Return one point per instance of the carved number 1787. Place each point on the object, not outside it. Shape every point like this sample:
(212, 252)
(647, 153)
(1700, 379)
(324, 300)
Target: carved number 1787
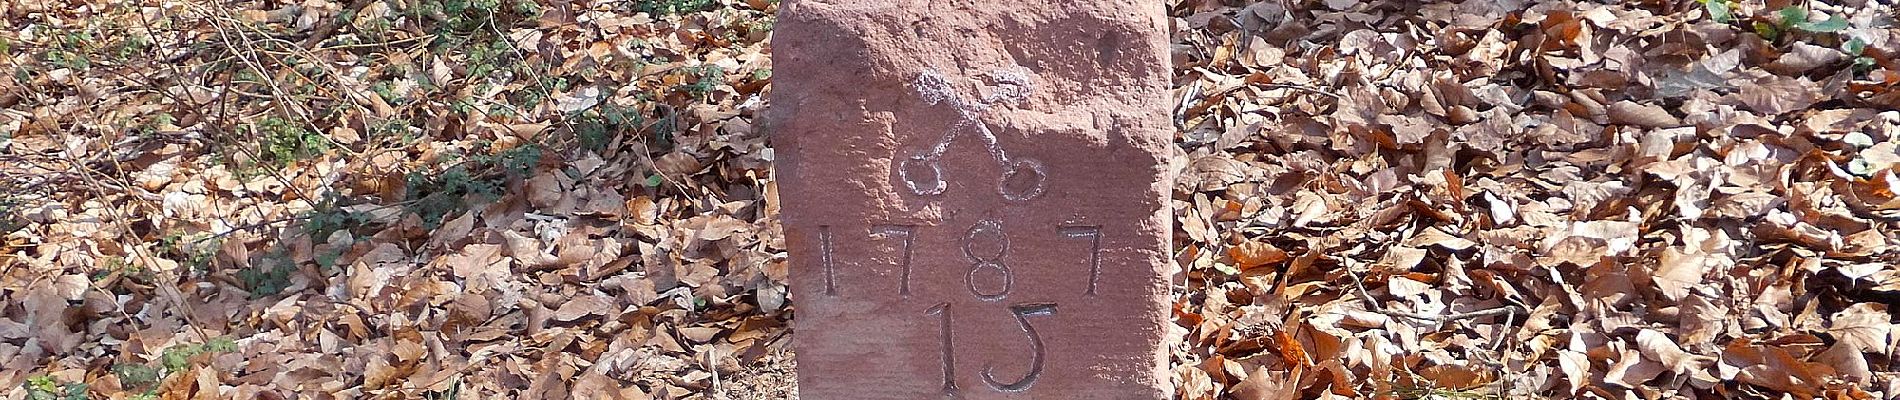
(907, 234)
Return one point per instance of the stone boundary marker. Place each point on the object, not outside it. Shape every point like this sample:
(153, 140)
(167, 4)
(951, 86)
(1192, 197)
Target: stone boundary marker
(974, 194)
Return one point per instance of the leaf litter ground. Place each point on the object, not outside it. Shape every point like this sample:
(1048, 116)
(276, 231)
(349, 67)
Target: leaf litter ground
(523, 199)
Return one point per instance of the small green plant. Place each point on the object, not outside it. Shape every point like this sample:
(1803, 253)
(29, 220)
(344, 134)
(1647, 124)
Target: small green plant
(671, 7)
(433, 196)
(664, 127)
(285, 142)
(68, 59)
(596, 126)
(135, 375)
(376, 28)
(466, 105)
(486, 59)
(114, 264)
(1858, 49)
(467, 16)
(516, 161)
(1788, 19)
(458, 23)
(327, 258)
(71, 50)
(328, 218)
(453, 392)
(128, 46)
(520, 160)
(1795, 22)
(1797, 17)
(195, 250)
(320, 223)
(387, 91)
(101, 40)
(268, 279)
(176, 359)
(393, 127)
(148, 125)
(9, 211)
(1720, 11)
(171, 361)
(47, 388)
(706, 79)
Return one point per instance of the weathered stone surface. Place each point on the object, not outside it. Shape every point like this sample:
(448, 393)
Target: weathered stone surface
(974, 194)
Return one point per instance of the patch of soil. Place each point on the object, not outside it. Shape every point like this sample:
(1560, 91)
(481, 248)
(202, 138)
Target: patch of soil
(773, 376)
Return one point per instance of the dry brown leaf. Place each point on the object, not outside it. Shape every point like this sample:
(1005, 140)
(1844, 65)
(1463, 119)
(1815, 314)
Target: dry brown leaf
(1802, 57)
(1456, 377)
(1644, 115)
(1631, 369)
(1308, 208)
(1254, 254)
(1576, 369)
(1678, 273)
(585, 306)
(1865, 327)
(1746, 205)
(527, 251)
(1777, 95)
(1436, 237)
(1264, 384)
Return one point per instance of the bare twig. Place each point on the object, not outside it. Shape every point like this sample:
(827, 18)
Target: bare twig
(331, 28)
(377, 44)
(1303, 88)
(1366, 296)
(1491, 312)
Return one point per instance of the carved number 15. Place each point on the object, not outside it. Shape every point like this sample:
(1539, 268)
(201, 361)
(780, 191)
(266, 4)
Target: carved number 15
(1023, 312)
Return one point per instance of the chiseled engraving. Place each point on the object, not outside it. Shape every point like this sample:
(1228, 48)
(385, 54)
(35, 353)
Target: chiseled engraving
(949, 353)
(908, 232)
(824, 258)
(1094, 234)
(1012, 88)
(992, 230)
(1023, 312)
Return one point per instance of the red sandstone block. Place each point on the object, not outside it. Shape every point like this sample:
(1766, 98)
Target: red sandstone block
(974, 194)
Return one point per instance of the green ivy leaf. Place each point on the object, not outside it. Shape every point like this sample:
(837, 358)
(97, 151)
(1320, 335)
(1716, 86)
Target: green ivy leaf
(1719, 11)
(1792, 15)
(1854, 46)
(1832, 24)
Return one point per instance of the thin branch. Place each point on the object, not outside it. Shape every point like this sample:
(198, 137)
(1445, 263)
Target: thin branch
(1366, 296)
(336, 22)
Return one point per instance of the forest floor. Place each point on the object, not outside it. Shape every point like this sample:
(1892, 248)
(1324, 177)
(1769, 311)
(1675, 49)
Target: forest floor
(551, 199)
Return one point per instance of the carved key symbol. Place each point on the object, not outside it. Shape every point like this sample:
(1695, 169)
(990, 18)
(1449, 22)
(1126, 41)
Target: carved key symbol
(1013, 87)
